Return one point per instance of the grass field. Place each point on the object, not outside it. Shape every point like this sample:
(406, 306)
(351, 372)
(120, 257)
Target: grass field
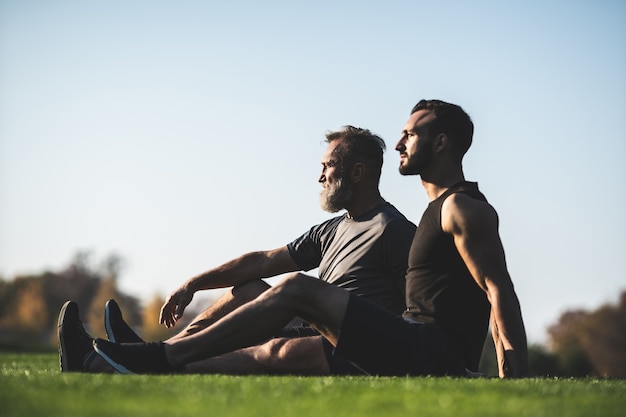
(32, 385)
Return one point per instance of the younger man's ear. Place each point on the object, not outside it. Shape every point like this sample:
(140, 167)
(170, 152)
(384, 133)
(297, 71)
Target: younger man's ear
(441, 141)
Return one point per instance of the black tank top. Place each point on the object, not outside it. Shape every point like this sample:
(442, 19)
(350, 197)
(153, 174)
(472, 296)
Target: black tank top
(440, 289)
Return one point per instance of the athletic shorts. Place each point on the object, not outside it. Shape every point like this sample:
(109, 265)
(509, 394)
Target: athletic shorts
(336, 364)
(382, 343)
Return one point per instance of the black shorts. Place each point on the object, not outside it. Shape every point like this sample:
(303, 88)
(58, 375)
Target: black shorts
(336, 364)
(382, 343)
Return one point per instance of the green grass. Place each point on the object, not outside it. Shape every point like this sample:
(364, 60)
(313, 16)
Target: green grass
(32, 385)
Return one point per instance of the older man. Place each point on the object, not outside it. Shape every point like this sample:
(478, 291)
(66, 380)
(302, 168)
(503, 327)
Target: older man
(362, 252)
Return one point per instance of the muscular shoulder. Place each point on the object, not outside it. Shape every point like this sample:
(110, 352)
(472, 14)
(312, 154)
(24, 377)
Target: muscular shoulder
(461, 214)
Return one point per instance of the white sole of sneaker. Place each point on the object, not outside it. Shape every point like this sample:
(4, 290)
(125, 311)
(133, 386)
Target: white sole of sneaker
(107, 324)
(120, 369)
(62, 359)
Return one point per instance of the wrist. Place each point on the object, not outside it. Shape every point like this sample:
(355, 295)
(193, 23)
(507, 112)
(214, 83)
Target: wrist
(191, 286)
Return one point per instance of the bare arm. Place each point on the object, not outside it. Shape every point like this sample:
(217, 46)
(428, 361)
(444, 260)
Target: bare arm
(474, 225)
(247, 267)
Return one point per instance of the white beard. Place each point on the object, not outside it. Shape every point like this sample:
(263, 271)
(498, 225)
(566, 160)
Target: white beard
(336, 196)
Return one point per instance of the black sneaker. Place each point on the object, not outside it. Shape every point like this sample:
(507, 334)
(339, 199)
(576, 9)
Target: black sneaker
(75, 344)
(134, 358)
(116, 328)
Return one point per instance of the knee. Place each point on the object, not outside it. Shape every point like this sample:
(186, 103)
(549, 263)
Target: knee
(295, 291)
(293, 285)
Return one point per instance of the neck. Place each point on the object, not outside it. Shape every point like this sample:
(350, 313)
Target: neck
(437, 182)
(363, 202)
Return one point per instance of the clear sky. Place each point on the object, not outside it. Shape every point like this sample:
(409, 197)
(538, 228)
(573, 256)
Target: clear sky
(182, 134)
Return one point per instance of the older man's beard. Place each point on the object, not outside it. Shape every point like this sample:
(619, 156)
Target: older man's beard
(336, 196)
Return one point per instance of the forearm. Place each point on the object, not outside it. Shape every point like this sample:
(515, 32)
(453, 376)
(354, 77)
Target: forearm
(240, 270)
(509, 336)
(497, 343)
(248, 267)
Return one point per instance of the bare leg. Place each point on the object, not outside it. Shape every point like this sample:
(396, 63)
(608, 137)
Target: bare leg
(321, 304)
(301, 356)
(230, 301)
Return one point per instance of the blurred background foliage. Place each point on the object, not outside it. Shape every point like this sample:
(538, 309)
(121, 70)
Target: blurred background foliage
(30, 304)
(581, 343)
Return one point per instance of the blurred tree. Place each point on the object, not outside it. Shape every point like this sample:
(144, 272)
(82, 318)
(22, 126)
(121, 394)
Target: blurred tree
(567, 338)
(28, 308)
(81, 263)
(131, 308)
(112, 266)
(8, 291)
(110, 271)
(30, 304)
(592, 343)
(605, 343)
(95, 316)
(541, 362)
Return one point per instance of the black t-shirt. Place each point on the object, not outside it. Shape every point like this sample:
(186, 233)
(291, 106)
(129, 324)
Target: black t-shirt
(365, 255)
(440, 288)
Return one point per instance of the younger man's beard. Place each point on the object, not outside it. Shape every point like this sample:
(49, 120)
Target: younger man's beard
(336, 196)
(420, 160)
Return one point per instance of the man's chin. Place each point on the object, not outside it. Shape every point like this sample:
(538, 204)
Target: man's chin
(330, 209)
(404, 170)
